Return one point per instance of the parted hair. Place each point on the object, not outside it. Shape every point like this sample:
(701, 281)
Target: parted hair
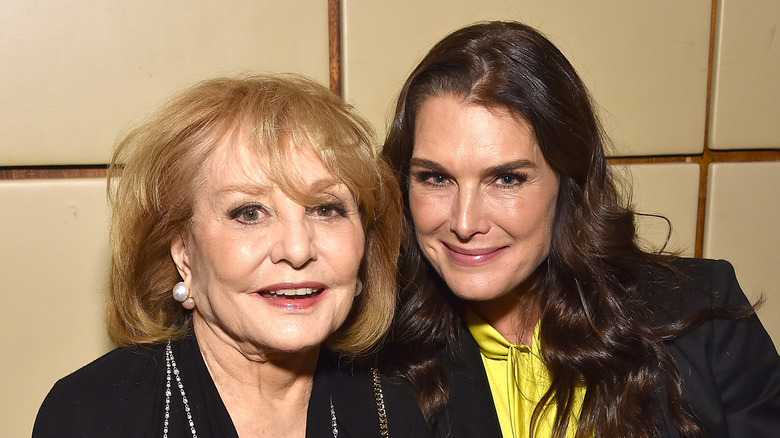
(157, 167)
(595, 325)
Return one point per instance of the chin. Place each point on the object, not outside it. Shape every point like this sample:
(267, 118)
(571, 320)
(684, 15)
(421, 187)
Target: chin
(477, 291)
(293, 347)
(478, 296)
(300, 344)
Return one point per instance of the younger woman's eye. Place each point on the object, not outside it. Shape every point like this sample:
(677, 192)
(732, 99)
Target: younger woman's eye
(437, 179)
(511, 179)
(432, 178)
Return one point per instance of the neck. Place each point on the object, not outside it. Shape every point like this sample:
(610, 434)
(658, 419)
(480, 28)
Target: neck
(514, 314)
(253, 383)
(514, 319)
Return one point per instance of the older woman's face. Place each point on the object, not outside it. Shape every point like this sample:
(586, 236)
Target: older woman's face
(482, 198)
(268, 274)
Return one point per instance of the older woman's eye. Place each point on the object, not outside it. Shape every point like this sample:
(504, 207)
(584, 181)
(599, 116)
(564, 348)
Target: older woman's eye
(247, 214)
(250, 215)
(329, 210)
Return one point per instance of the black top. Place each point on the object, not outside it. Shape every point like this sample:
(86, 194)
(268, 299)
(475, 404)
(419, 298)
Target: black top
(122, 394)
(730, 368)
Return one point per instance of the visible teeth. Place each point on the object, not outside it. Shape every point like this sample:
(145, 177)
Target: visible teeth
(295, 291)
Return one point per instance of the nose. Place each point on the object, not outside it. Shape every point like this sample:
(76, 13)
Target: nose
(293, 243)
(468, 216)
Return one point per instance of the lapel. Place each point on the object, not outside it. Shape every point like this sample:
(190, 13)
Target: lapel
(471, 411)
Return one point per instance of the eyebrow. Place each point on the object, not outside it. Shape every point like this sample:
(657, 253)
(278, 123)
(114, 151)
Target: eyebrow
(509, 166)
(427, 164)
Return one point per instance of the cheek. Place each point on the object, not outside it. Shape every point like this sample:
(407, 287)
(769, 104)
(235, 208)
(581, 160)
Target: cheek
(523, 217)
(344, 249)
(428, 210)
(225, 257)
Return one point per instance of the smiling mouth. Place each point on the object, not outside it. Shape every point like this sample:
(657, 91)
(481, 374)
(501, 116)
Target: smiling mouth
(294, 293)
(472, 257)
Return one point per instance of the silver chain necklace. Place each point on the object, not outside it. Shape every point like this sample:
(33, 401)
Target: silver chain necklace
(170, 368)
(170, 363)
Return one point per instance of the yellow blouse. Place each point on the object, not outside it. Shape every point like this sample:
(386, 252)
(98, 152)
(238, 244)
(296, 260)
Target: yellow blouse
(518, 378)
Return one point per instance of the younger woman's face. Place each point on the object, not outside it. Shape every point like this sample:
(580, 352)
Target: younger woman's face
(482, 198)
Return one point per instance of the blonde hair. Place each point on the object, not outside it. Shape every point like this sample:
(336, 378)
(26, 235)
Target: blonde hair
(157, 167)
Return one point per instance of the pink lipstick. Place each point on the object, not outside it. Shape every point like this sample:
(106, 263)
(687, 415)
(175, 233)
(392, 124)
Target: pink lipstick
(472, 256)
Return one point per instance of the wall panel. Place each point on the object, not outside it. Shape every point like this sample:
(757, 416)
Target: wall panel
(746, 76)
(743, 227)
(53, 268)
(670, 190)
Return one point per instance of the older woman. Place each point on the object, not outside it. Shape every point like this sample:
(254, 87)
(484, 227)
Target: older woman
(251, 223)
(527, 307)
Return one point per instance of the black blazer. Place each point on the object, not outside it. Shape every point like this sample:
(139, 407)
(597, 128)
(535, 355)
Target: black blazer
(122, 394)
(730, 369)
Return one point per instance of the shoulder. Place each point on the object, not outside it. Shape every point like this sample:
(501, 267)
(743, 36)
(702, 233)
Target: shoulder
(115, 372)
(728, 363)
(88, 399)
(715, 277)
(688, 285)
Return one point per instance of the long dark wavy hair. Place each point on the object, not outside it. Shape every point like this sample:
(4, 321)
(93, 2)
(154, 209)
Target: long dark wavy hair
(595, 322)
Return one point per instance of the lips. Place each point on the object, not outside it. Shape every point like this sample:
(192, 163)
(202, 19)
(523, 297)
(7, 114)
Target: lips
(293, 296)
(472, 256)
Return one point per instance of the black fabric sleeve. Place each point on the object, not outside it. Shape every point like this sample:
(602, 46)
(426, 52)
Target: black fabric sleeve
(730, 368)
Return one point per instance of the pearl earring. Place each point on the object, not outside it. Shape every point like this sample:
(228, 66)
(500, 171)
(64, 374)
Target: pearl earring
(188, 304)
(180, 292)
(359, 287)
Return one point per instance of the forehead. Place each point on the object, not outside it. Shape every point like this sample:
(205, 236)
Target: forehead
(447, 128)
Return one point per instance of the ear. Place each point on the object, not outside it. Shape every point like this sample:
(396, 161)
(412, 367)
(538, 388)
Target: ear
(181, 257)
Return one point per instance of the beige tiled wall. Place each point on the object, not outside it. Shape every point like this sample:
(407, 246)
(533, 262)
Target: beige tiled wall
(650, 186)
(53, 267)
(743, 226)
(645, 62)
(746, 78)
(75, 73)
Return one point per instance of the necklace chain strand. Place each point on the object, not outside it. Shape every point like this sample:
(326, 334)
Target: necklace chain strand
(170, 363)
(333, 422)
(379, 398)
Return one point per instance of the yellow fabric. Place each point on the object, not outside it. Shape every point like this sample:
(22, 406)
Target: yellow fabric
(518, 378)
